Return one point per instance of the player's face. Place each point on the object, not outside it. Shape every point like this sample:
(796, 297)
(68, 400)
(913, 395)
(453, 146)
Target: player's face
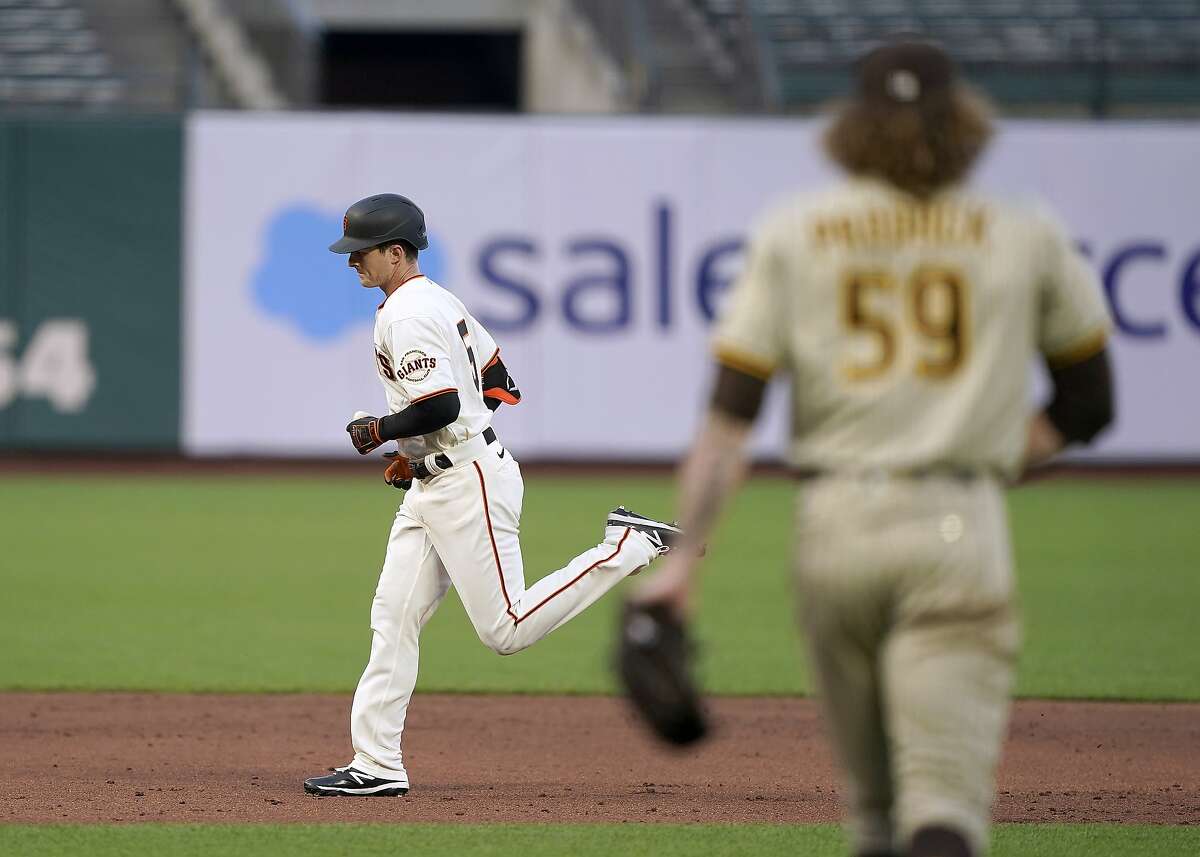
(375, 265)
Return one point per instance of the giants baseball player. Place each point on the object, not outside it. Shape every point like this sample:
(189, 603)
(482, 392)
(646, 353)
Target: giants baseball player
(443, 377)
(905, 311)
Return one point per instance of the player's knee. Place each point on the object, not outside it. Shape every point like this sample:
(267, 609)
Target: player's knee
(502, 640)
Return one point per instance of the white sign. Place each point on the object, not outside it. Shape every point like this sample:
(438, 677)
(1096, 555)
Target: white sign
(596, 251)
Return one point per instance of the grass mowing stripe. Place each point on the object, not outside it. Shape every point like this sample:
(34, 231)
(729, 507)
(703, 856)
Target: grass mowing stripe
(426, 840)
(503, 840)
(1094, 840)
(265, 584)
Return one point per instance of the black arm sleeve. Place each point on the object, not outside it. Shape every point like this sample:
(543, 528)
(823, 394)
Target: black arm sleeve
(737, 394)
(421, 417)
(1082, 405)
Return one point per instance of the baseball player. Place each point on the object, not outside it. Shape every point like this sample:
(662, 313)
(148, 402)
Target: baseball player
(443, 378)
(905, 311)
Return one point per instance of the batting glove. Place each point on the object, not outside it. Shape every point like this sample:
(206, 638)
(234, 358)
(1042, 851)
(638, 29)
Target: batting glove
(399, 472)
(364, 434)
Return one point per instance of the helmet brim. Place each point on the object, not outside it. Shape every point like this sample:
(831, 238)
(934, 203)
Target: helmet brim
(346, 244)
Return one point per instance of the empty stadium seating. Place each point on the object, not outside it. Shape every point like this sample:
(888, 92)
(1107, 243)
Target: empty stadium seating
(50, 55)
(1096, 54)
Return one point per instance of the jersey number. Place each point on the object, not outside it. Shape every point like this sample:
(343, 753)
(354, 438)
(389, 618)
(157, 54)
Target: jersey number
(466, 338)
(936, 302)
(385, 365)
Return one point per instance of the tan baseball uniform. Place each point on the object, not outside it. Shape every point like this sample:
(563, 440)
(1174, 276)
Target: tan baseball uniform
(907, 331)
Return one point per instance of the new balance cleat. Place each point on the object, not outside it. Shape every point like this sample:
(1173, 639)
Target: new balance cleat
(351, 782)
(662, 535)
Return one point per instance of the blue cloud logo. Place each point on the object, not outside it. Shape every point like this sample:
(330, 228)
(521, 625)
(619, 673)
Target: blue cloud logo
(300, 282)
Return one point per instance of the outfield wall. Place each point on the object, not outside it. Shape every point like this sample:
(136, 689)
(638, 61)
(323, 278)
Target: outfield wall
(597, 250)
(90, 283)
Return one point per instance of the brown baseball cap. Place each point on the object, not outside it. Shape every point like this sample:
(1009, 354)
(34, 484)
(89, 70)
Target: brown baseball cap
(905, 72)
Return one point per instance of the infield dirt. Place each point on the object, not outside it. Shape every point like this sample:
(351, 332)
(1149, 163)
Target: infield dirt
(210, 758)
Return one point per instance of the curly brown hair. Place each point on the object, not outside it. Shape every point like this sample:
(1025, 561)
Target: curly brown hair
(918, 148)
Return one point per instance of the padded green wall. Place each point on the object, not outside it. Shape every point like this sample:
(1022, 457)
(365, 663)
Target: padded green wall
(90, 220)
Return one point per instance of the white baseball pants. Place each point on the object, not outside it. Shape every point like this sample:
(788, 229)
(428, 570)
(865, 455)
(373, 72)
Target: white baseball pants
(461, 528)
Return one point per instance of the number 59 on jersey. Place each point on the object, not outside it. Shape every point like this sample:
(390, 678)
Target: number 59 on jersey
(930, 305)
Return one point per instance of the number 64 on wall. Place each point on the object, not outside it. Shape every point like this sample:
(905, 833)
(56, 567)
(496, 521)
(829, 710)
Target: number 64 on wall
(55, 365)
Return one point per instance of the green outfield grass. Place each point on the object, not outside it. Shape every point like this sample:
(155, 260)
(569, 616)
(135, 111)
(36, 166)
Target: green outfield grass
(659, 840)
(243, 584)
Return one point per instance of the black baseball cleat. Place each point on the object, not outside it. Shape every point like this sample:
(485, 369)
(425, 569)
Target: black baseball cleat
(663, 535)
(354, 783)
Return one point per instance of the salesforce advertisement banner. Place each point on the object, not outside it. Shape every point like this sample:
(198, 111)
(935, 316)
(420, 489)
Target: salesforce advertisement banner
(597, 252)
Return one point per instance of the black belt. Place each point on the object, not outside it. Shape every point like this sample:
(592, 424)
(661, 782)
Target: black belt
(960, 474)
(421, 470)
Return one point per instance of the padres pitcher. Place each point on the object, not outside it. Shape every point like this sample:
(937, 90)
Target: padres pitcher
(459, 522)
(905, 311)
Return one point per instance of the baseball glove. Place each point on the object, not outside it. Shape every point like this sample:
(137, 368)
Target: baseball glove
(654, 658)
(399, 472)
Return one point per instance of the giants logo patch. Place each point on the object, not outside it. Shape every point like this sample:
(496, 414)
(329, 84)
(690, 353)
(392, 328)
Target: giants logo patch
(415, 366)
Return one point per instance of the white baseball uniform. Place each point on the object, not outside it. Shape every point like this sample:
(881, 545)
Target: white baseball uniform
(908, 331)
(460, 527)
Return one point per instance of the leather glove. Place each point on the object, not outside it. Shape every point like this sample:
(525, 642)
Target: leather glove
(399, 472)
(364, 433)
(654, 657)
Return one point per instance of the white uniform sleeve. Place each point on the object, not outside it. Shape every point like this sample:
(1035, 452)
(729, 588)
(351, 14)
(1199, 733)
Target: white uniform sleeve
(1073, 321)
(422, 357)
(750, 334)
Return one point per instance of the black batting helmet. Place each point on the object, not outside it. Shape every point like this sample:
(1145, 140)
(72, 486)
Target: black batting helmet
(379, 219)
